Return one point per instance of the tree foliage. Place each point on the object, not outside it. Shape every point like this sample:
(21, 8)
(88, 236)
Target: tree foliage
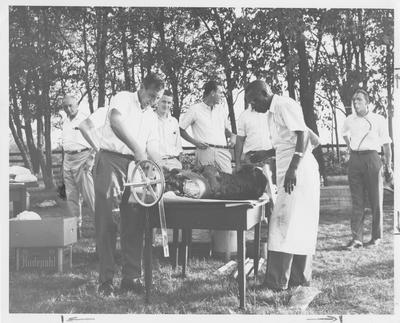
(317, 56)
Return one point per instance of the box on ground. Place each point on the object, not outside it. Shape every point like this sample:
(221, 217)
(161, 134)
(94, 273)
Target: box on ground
(44, 258)
(47, 232)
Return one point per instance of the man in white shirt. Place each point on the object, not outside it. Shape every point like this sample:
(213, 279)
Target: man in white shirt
(91, 128)
(209, 122)
(78, 161)
(129, 134)
(293, 224)
(365, 133)
(252, 135)
(168, 130)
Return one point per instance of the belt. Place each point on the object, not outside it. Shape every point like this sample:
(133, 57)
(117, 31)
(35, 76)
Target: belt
(73, 152)
(217, 146)
(115, 153)
(169, 157)
(363, 152)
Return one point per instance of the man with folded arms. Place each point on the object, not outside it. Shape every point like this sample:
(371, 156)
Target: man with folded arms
(168, 130)
(78, 161)
(209, 122)
(365, 133)
(129, 134)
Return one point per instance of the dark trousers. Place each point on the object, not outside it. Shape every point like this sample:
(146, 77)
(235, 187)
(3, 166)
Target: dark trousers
(365, 171)
(110, 172)
(287, 270)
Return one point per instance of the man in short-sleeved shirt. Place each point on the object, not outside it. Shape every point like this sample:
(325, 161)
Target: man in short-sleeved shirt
(293, 224)
(252, 135)
(77, 162)
(209, 122)
(130, 134)
(365, 133)
(168, 130)
(92, 127)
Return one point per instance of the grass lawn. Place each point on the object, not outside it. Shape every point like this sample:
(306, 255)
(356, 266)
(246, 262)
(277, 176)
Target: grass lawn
(354, 282)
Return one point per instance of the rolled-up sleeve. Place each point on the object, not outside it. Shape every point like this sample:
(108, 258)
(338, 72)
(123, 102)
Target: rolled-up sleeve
(384, 131)
(292, 116)
(188, 118)
(346, 128)
(121, 102)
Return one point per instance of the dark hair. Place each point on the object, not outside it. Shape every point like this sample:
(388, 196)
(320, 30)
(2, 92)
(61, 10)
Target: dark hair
(255, 86)
(153, 79)
(210, 86)
(167, 93)
(363, 92)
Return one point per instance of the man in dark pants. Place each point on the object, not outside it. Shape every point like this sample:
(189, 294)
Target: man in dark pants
(293, 224)
(365, 133)
(129, 134)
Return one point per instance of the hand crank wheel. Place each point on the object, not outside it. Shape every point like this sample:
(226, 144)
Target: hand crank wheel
(150, 189)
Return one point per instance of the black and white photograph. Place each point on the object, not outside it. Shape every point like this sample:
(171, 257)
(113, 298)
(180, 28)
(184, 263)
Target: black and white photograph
(184, 158)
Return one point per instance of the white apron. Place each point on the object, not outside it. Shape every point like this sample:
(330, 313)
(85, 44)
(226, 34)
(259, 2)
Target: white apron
(293, 224)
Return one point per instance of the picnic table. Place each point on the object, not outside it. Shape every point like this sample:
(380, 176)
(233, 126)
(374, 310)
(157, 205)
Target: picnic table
(187, 214)
(19, 195)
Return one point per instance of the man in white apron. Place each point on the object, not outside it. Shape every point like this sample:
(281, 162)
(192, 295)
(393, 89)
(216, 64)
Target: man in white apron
(293, 224)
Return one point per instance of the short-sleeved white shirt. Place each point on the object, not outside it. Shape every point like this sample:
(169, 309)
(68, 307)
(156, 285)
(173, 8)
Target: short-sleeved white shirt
(142, 124)
(208, 125)
(71, 136)
(254, 126)
(98, 118)
(285, 116)
(170, 139)
(373, 126)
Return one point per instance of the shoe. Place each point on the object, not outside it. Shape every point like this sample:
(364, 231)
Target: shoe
(374, 242)
(106, 288)
(131, 285)
(354, 244)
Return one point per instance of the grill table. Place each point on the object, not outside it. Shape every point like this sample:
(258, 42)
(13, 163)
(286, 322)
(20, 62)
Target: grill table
(188, 214)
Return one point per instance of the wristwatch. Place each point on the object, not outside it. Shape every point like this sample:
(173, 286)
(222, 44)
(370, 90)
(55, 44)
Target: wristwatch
(298, 154)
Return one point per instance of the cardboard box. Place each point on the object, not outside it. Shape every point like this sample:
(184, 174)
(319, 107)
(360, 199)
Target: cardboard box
(48, 232)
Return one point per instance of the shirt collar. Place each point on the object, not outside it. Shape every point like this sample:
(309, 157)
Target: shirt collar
(273, 104)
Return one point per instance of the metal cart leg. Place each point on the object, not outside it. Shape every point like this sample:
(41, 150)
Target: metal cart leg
(241, 235)
(60, 259)
(148, 255)
(257, 229)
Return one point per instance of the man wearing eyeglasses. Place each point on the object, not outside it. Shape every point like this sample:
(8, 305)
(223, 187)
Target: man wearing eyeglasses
(78, 161)
(365, 133)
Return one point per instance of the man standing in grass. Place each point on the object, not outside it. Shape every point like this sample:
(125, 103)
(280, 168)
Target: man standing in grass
(209, 122)
(78, 161)
(129, 134)
(365, 133)
(293, 223)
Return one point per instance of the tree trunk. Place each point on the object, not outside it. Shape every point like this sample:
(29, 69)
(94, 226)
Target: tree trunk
(289, 71)
(124, 51)
(132, 44)
(101, 46)
(86, 63)
(20, 144)
(45, 100)
(307, 100)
